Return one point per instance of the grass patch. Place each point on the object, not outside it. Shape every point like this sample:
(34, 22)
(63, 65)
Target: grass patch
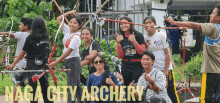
(7, 81)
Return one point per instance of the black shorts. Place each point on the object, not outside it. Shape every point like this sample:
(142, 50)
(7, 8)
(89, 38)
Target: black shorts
(17, 76)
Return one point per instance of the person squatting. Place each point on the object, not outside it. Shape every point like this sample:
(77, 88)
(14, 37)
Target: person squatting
(146, 71)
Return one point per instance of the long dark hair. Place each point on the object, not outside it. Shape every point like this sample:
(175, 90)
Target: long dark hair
(131, 26)
(38, 30)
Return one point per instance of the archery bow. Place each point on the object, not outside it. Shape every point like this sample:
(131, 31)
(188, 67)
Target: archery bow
(60, 10)
(169, 53)
(7, 55)
(119, 83)
(8, 48)
(37, 77)
(11, 71)
(50, 59)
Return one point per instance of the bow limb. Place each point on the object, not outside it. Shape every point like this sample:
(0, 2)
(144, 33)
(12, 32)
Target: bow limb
(76, 7)
(55, 45)
(8, 48)
(50, 59)
(53, 50)
(60, 10)
(171, 59)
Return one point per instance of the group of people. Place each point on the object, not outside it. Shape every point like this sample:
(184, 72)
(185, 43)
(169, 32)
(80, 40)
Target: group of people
(145, 58)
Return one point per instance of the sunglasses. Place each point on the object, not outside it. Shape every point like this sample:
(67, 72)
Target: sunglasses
(96, 62)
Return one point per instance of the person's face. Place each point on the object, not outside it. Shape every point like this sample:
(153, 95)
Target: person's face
(214, 16)
(98, 63)
(86, 35)
(149, 22)
(146, 61)
(74, 25)
(22, 27)
(125, 27)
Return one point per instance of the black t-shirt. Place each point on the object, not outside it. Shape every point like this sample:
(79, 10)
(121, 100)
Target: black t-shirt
(131, 53)
(128, 48)
(36, 49)
(95, 46)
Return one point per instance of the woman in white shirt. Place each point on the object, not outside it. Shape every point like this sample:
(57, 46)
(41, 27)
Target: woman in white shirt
(71, 57)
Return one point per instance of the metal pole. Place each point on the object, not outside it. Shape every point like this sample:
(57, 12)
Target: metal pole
(143, 15)
(91, 5)
(91, 25)
(89, 15)
(138, 13)
(108, 29)
(134, 14)
(125, 4)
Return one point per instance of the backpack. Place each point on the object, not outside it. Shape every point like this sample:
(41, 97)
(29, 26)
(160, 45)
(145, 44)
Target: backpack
(103, 81)
(90, 48)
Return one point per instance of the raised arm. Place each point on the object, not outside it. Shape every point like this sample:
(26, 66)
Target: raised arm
(59, 19)
(120, 52)
(6, 33)
(192, 25)
(140, 48)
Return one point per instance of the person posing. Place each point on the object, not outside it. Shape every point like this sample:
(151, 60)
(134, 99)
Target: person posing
(156, 42)
(153, 77)
(210, 87)
(71, 57)
(36, 47)
(100, 78)
(24, 30)
(91, 50)
(130, 45)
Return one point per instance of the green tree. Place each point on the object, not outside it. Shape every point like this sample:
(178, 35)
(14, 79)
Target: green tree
(18, 9)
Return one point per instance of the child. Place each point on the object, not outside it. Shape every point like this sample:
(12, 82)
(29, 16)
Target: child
(24, 29)
(36, 47)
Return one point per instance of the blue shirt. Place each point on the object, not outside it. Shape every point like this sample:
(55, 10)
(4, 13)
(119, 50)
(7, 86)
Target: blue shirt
(174, 36)
(96, 80)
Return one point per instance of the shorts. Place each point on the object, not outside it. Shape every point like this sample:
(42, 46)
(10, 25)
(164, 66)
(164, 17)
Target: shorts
(17, 76)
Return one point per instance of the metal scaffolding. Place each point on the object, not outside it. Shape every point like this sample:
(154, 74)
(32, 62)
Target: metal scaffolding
(112, 13)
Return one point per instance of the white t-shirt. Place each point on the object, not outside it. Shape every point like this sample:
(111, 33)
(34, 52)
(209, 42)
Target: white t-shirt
(21, 38)
(75, 42)
(160, 80)
(157, 46)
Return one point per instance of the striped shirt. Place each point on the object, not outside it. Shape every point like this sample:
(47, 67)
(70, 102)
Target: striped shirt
(160, 80)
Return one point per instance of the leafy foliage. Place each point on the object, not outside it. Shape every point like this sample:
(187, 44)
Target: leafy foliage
(192, 67)
(18, 9)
